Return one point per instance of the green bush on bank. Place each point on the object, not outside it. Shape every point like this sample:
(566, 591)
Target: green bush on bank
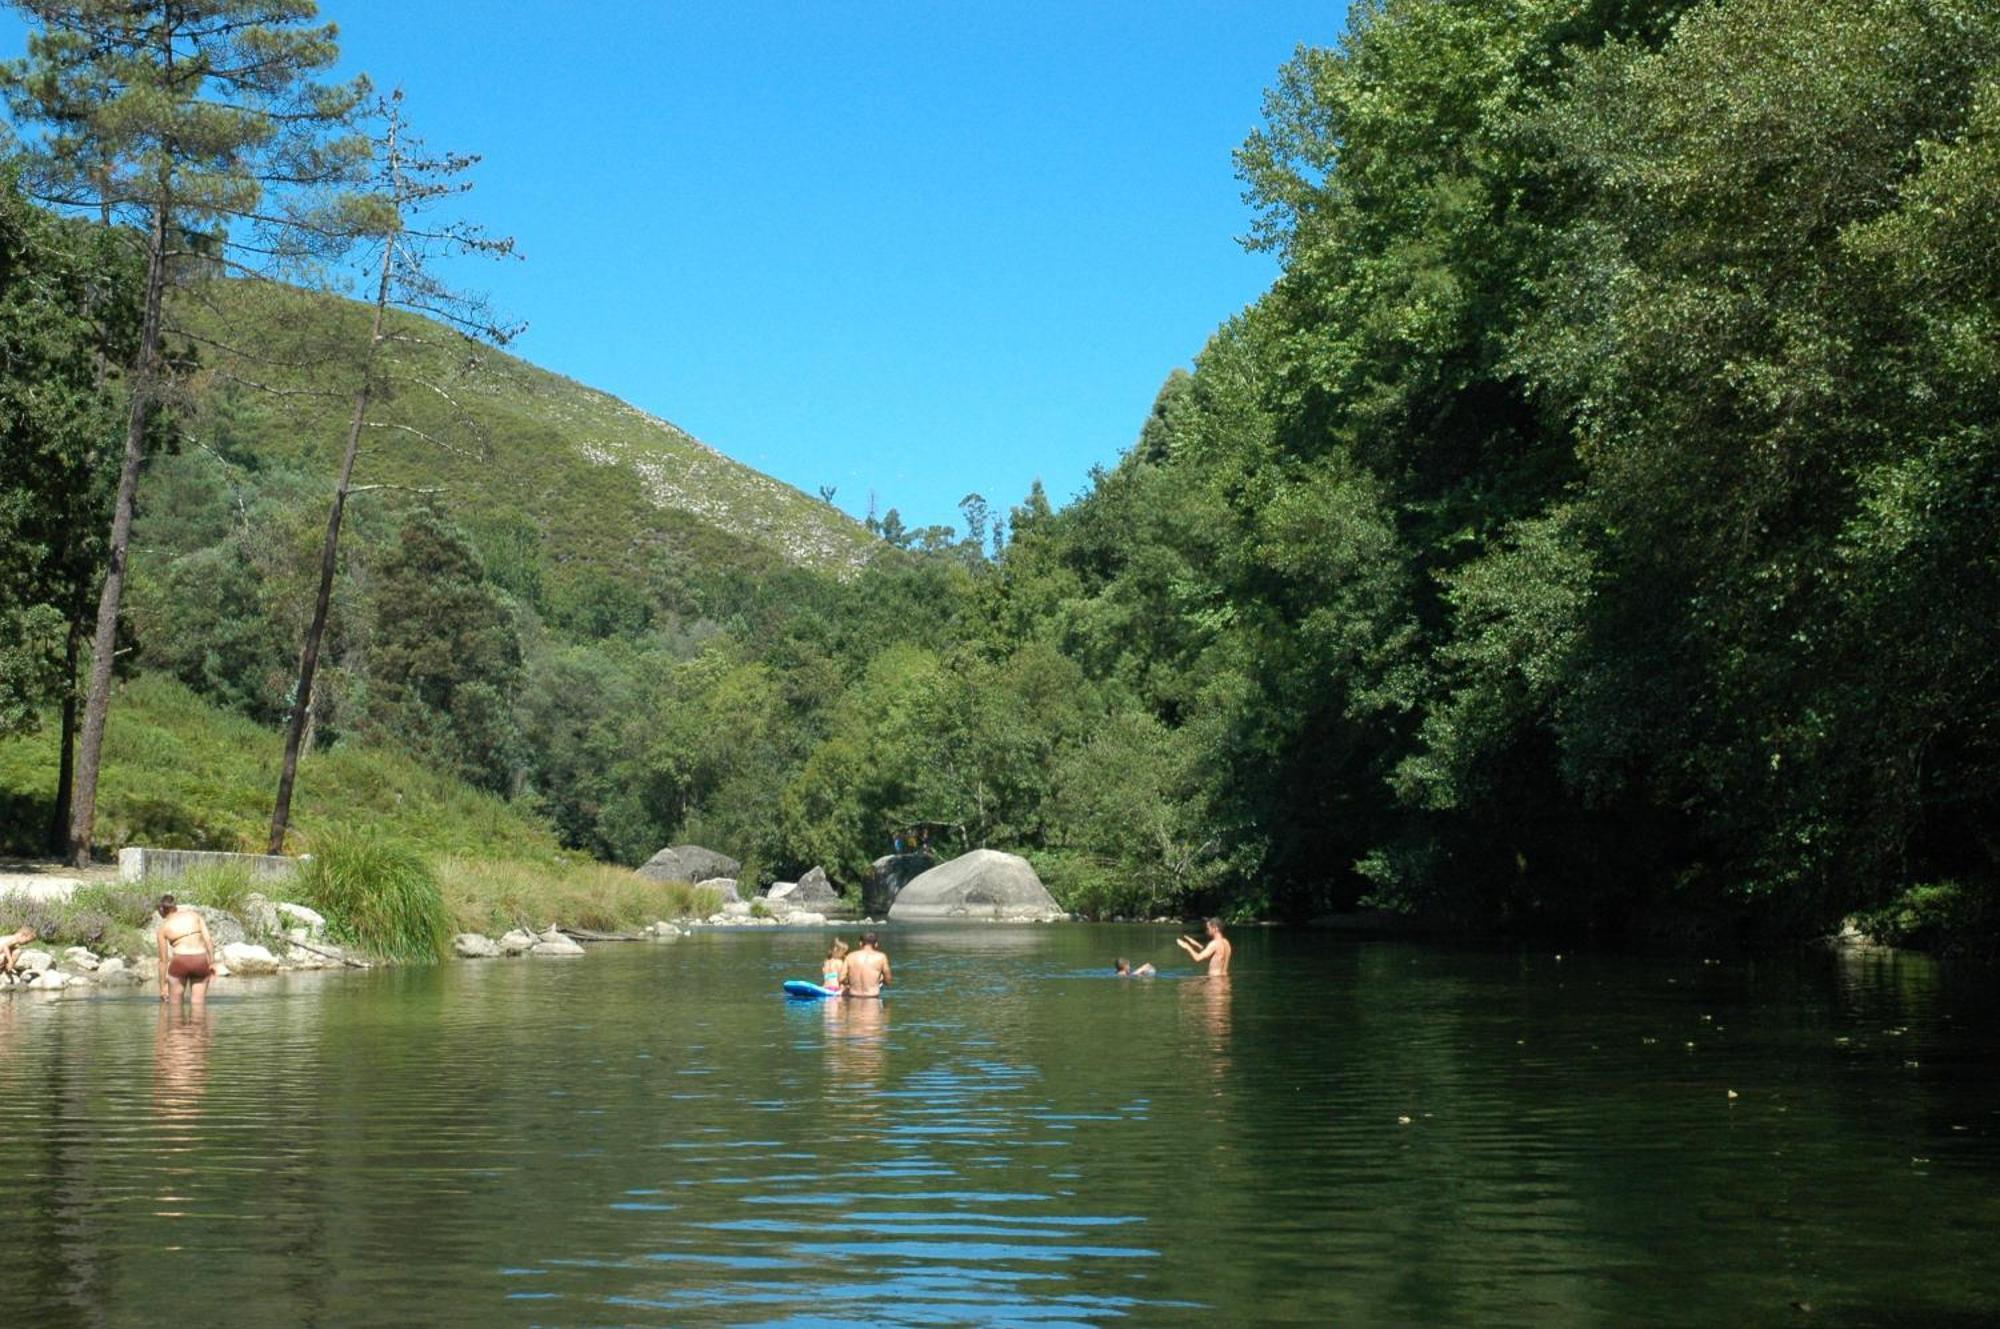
(492, 896)
(1940, 916)
(379, 896)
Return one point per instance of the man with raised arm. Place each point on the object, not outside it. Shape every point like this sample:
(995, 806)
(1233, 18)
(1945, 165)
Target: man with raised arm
(1216, 952)
(867, 969)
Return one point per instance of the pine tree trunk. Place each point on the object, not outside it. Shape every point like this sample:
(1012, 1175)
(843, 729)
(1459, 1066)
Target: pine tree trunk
(329, 556)
(104, 644)
(66, 758)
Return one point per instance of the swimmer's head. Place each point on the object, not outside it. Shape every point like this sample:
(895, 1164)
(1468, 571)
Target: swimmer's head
(1121, 965)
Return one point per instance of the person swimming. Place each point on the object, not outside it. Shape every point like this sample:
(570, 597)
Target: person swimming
(187, 952)
(834, 974)
(1123, 968)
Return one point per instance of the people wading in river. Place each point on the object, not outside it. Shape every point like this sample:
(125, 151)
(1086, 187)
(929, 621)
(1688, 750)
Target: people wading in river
(187, 952)
(867, 969)
(1216, 952)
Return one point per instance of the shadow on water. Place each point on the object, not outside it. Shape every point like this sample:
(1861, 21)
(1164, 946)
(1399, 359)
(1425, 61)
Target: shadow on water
(1354, 1133)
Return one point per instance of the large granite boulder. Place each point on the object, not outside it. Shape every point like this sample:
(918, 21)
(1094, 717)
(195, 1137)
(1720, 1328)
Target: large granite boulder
(812, 891)
(475, 946)
(982, 886)
(889, 875)
(688, 862)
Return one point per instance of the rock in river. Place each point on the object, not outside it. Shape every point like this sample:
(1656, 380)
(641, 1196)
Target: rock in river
(473, 946)
(245, 959)
(688, 862)
(982, 886)
(888, 876)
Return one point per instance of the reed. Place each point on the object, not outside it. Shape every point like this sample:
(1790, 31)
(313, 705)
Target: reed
(379, 895)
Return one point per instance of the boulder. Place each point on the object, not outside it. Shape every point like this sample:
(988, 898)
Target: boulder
(736, 909)
(724, 888)
(688, 862)
(298, 916)
(224, 926)
(517, 942)
(245, 959)
(53, 980)
(298, 957)
(33, 962)
(812, 891)
(889, 874)
(554, 943)
(260, 915)
(805, 918)
(113, 968)
(665, 931)
(472, 946)
(80, 959)
(984, 885)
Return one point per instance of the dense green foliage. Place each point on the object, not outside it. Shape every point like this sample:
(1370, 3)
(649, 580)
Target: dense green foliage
(1593, 527)
(379, 895)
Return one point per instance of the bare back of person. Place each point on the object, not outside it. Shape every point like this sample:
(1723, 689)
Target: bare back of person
(867, 969)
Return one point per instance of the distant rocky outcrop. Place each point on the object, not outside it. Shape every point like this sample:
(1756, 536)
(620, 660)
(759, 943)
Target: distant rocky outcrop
(982, 886)
(889, 874)
(689, 862)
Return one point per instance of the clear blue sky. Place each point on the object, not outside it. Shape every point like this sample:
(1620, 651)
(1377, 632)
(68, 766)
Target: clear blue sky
(922, 249)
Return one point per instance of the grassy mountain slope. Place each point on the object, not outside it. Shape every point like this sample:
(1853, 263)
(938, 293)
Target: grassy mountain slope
(597, 482)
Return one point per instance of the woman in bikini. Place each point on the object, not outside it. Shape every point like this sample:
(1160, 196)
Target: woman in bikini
(187, 952)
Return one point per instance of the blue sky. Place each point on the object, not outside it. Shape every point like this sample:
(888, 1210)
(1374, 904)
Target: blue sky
(918, 249)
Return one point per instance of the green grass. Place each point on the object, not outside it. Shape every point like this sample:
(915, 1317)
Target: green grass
(180, 773)
(491, 896)
(378, 896)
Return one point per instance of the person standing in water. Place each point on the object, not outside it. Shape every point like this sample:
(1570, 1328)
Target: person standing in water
(833, 974)
(1216, 952)
(867, 969)
(187, 952)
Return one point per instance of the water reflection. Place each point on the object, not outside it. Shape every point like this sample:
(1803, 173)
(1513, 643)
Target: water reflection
(1388, 1134)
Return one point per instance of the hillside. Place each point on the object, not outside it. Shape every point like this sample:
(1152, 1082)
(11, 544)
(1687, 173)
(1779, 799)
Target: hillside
(599, 482)
(182, 772)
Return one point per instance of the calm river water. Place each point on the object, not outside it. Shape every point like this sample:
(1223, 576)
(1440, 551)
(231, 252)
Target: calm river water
(1348, 1133)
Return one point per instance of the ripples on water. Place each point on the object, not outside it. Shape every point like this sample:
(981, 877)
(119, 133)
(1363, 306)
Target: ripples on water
(1355, 1134)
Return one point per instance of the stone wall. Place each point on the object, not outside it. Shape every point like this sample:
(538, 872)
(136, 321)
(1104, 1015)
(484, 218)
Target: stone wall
(139, 864)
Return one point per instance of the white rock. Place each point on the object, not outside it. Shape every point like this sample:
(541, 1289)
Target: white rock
(311, 920)
(473, 946)
(244, 958)
(736, 909)
(259, 915)
(559, 946)
(80, 958)
(805, 918)
(33, 962)
(114, 967)
(517, 942)
(53, 980)
(298, 957)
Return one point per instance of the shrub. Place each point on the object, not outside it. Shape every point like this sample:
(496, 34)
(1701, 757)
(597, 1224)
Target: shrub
(492, 895)
(378, 895)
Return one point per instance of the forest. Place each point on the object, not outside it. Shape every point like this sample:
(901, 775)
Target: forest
(1592, 530)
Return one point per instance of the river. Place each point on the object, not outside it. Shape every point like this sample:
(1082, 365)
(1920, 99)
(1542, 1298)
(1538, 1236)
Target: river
(1346, 1133)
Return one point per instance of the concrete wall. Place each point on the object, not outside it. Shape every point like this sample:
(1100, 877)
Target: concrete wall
(140, 864)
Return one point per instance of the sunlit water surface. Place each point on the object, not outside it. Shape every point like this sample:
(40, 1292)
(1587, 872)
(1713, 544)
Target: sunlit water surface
(1346, 1133)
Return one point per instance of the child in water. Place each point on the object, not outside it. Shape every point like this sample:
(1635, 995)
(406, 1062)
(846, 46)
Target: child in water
(1123, 968)
(834, 973)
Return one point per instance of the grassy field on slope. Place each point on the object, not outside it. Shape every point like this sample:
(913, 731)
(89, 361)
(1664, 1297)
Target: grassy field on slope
(180, 773)
(600, 482)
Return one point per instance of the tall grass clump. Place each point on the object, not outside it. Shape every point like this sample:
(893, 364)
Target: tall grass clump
(493, 895)
(224, 886)
(379, 896)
